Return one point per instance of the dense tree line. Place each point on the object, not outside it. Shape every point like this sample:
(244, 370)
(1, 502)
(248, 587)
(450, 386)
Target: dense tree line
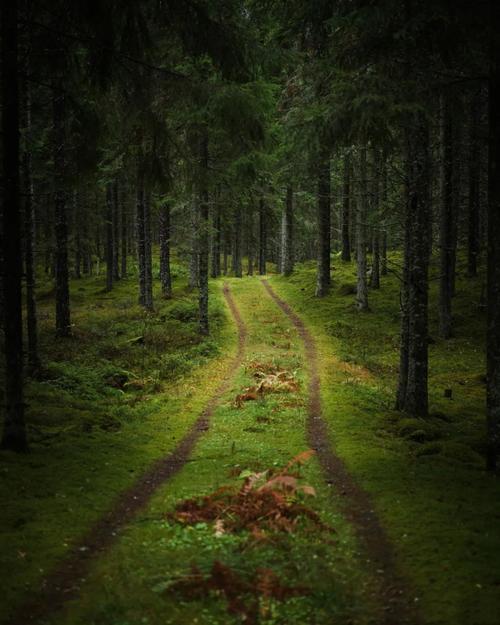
(250, 132)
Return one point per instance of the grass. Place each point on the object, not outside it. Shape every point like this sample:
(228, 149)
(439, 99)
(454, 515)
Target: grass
(441, 508)
(132, 584)
(103, 409)
(127, 386)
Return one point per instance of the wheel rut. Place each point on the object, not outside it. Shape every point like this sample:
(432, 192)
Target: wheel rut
(64, 583)
(356, 504)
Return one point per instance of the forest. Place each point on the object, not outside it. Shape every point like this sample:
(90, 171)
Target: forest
(250, 310)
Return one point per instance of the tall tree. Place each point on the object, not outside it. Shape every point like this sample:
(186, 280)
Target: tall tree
(361, 243)
(287, 233)
(493, 327)
(14, 431)
(346, 199)
(324, 222)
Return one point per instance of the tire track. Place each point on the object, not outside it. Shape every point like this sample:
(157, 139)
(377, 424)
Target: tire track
(63, 584)
(356, 503)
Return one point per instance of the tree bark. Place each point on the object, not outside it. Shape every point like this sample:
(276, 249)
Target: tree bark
(237, 265)
(324, 223)
(194, 260)
(124, 232)
(446, 220)
(14, 430)
(493, 327)
(148, 260)
(116, 232)
(164, 227)
(63, 321)
(216, 239)
(361, 215)
(416, 398)
(29, 241)
(346, 199)
(78, 235)
(474, 199)
(109, 237)
(375, 274)
(204, 238)
(141, 250)
(262, 237)
(287, 234)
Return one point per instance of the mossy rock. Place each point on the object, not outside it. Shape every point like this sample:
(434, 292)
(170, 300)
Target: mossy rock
(347, 289)
(418, 430)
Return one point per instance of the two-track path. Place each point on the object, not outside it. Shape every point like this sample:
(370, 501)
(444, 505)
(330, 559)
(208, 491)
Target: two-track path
(356, 504)
(64, 581)
(393, 595)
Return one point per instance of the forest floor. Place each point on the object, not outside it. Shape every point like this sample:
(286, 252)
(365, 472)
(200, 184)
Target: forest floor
(119, 517)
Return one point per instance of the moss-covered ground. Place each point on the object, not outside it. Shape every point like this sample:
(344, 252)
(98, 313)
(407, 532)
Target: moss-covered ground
(127, 386)
(108, 402)
(427, 478)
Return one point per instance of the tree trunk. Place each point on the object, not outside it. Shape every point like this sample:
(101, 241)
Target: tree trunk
(251, 241)
(14, 430)
(474, 199)
(29, 241)
(324, 224)
(262, 237)
(164, 227)
(346, 198)
(237, 265)
(148, 260)
(141, 250)
(446, 220)
(375, 274)
(288, 231)
(78, 235)
(493, 327)
(416, 398)
(116, 232)
(216, 239)
(194, 260)
(109, 236)
(361, 215)
(383, 269)
(204, 238)
(63, 322)
(404, 295)
(124, 232)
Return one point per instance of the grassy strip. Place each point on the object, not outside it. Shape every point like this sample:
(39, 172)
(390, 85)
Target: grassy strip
(426, 476)
(133, 584)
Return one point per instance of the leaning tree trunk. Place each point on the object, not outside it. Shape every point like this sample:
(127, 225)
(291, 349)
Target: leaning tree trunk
(29, 242)
(204, 239)
(63, 322)
(165, 275)
(361, 214)
(416, 397)
(14, 431)
(493, 328)
(287, 240)
(109, 236)
(346, 198)
(262, 237)
(324, 224)
(446, 220)
(474, 199)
